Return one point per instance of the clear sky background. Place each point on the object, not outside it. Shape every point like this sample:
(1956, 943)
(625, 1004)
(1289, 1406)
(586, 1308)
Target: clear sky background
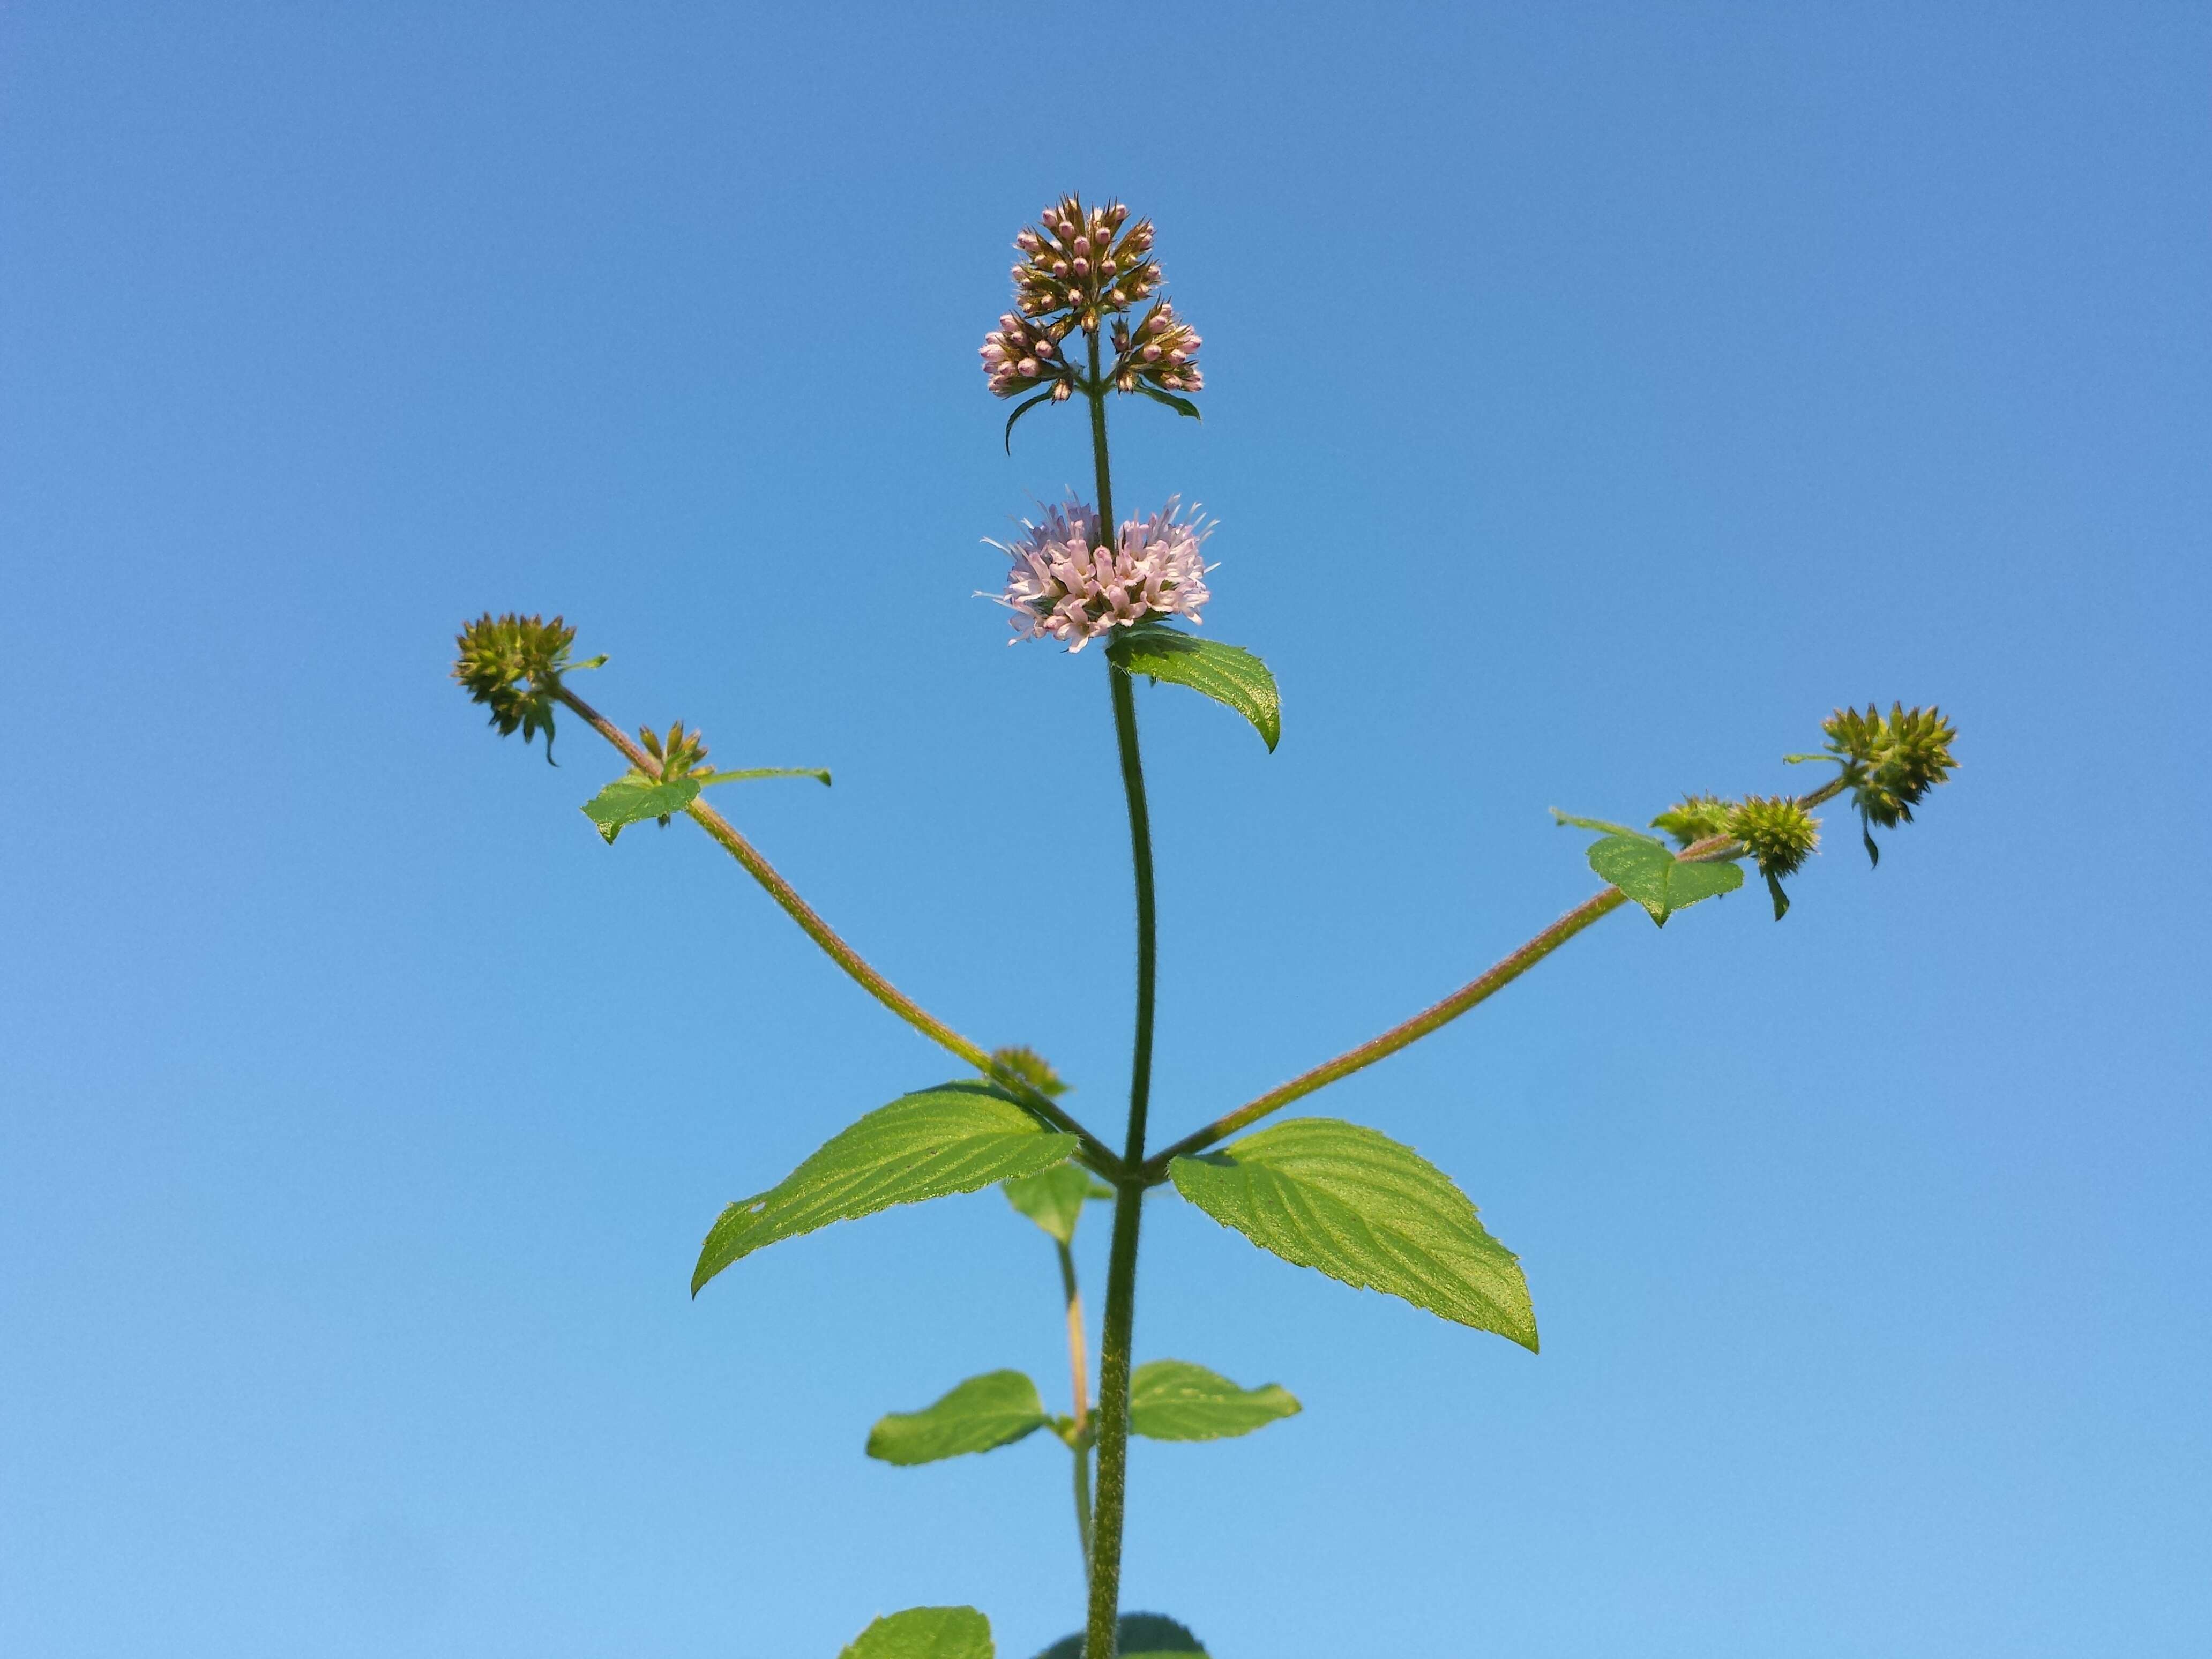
(1596, 396)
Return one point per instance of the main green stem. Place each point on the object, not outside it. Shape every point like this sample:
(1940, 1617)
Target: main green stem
(1112, 1422)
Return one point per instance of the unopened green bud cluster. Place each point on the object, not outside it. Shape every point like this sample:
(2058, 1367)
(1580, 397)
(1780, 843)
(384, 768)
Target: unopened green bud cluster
(512, 664)
(1891, 761)
(679, 752)
(1777, 832)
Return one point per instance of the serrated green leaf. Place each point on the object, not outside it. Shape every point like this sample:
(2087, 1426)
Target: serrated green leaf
(954, 1137)
(1137, 1635)
(1652, 876)
(1356, 1206)
(820, 774)
(1174, 1399)
(1603, 828)
(983, 1413)
(925, 1633)
(632, 799)
(1227, 673)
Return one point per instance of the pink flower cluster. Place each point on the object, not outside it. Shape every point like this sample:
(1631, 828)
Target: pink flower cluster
(1018, 355)
(1066, 586)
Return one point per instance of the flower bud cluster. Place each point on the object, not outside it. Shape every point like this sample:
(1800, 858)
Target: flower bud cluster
(512, 664)
(1891, 761)
(1019, 356)
(1779, 834)
(1066, 586)
(1162, 351)
(679, 752)
(1696, 819)
(1083, 263)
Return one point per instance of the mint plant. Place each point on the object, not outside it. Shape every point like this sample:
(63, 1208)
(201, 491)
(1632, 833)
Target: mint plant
(1339, 1198)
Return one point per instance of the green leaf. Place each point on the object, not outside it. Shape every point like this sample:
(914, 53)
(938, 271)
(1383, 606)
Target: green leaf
(631, 799)
(1227, 673)
(952, 1138)
(1136, 1636)
(1174, 1399)
(1053, 1199)
(1042, 396)
(819, 774)
(1360, 1207)
(980, 1415)
(1781, 899)
(1603, 828)
(1645, 871)
(925, 1633)
(1181, 405)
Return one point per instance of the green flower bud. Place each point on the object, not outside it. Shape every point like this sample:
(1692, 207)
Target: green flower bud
(512, 664)
(1031, 1067)
(1779, 833)
(1695, 818)
(1890, 764)
(679, 752)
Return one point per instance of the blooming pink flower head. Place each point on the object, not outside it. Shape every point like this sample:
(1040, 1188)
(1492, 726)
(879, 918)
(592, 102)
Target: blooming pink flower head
(1065, 586)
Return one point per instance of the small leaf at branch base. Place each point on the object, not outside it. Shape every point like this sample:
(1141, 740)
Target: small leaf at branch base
(980, 1415)
(1227, 673)
(925, 1633)
(1055, 1199)
(1361, 1208)
(1568, 819)
(631, 799)
(819, 774)
(1136, 1636)
(1174, 1399)
(1645, 871)
(956, 1138)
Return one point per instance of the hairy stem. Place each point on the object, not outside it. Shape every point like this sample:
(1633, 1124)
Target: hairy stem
(1079, 1365)
(1117, 1331)
(1112, 1424)
(1494, 980)
(1095, 1152)
(1398, 1037)
(1079, 1391)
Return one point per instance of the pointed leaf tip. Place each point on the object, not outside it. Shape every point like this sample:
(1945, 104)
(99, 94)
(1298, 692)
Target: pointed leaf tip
(957, 1138)
(1174, 1399)
(982, 1414)
(1229, 674)
(1356, 1205)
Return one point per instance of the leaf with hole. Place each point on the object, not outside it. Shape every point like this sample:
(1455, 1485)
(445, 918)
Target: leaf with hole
(956, 1138)
(925, 1633)
(1174, 1399)
(983, 1415)
(1358, 1206)
(1227, 673)
(632, 799)
(1662, 883)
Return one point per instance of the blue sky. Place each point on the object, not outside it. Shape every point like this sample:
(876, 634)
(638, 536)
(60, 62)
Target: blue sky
(1596, 396)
